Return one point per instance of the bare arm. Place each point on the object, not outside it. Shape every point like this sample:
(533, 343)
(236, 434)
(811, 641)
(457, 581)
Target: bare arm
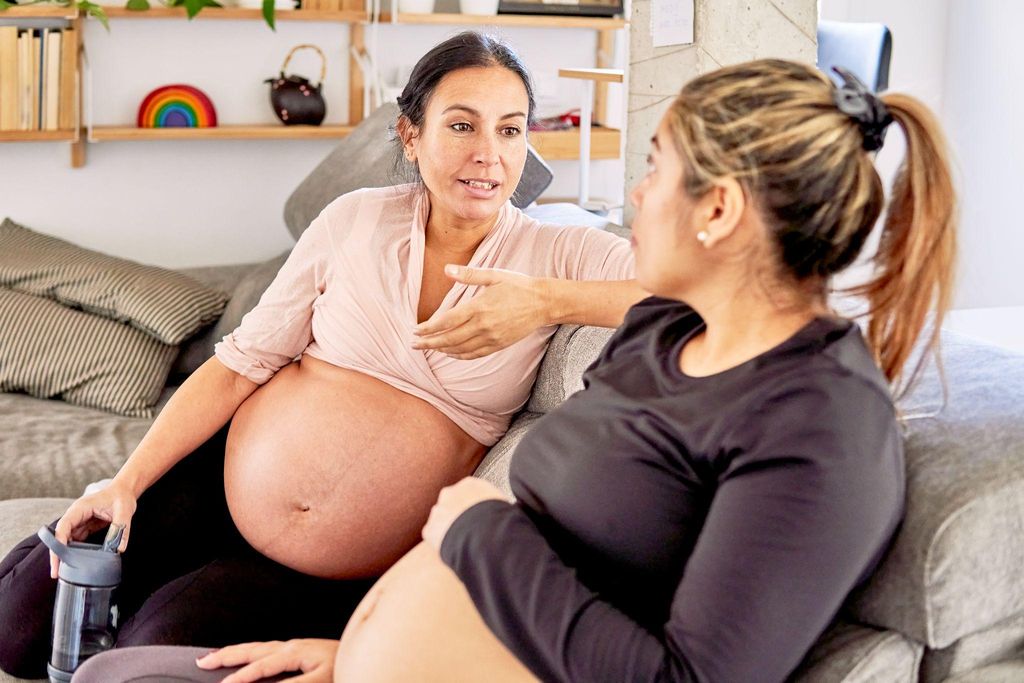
(590, 302)
(202, 404)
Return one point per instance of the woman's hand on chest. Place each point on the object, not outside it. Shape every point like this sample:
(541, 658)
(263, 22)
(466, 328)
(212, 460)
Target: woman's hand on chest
(510, 307)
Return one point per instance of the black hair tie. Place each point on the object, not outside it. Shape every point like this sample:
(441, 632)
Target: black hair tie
(855, 100)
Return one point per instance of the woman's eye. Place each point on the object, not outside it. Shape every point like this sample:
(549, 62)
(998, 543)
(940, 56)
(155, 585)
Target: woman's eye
(510, 131)
(462, 127)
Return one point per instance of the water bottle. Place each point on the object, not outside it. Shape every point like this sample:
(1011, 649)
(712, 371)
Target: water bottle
(85, 613)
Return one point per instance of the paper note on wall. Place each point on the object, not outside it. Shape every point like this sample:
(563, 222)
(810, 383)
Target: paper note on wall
(671, 22)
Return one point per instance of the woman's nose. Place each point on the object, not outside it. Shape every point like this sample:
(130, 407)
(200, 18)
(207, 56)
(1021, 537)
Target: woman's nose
(486, 151)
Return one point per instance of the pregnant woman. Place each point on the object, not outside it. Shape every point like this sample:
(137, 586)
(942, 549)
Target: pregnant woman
(734, 467)
(302, 460)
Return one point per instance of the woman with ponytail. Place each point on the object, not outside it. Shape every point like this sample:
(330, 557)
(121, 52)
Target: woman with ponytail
(734, 466)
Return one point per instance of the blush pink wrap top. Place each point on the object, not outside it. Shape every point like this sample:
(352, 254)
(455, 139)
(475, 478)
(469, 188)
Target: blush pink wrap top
(348, 295)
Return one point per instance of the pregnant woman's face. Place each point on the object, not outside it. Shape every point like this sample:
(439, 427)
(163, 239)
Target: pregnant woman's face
(472, 146)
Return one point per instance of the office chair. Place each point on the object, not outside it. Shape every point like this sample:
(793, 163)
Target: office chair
(864, 49)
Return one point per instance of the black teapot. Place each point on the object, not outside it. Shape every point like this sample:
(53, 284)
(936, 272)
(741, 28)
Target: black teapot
(295, 100)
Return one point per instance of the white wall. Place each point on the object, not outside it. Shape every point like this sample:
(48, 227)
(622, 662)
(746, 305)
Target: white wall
(197, 203)
(984, 110)
(958, 56)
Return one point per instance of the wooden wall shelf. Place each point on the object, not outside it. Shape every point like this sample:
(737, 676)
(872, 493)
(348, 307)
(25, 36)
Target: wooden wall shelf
(237, 13)
(38, 135)
(526, 20)
(226, 132)
(40, 12)
(350, 16)
(561, 145)
(552, 145)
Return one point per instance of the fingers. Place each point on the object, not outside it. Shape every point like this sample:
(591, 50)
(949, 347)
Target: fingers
(448, 320)
(475, 276)
(264, 668)
(450, 340)
(236, 655)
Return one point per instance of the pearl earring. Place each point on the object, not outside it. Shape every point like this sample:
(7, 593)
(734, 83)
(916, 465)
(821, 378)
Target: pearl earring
(702, 236)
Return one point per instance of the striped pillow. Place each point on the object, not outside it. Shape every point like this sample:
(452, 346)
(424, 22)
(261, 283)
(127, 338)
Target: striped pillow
(168, 306)
(50, 351)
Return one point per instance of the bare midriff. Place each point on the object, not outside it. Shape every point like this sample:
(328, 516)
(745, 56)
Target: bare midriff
(333, 473)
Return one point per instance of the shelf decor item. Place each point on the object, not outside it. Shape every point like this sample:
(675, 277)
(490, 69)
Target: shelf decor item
(177, 106)
(295, 100)
(416, 6)
(480, 7)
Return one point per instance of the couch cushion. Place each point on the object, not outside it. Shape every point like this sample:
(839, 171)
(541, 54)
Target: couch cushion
(571, 351)
(850, 653)
(246, 284)
(954, 567)
(367, 158)
(21, 518)
(1011, 671)
(164, 304)
(51, 351)
(995, 644)
(494, 467)
(53, 448)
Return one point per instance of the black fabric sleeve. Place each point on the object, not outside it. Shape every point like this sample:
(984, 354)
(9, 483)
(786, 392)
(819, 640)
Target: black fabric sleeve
(797, 520)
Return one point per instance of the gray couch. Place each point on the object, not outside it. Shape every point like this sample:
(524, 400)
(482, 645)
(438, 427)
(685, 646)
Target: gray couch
(947, 604)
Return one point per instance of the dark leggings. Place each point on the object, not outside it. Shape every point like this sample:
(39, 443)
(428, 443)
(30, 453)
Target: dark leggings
(188, 578)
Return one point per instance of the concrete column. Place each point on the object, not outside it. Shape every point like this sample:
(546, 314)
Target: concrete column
(725, 32)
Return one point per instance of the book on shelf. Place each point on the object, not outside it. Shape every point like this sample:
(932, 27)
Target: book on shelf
(9, 78)
(51, 80)
(25, 80)
(67, 112)
(35, 51)
(38, 78)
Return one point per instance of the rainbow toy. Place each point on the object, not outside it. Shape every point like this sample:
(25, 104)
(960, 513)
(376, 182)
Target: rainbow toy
(177, 106)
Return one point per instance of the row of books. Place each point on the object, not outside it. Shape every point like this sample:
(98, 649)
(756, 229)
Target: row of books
(38, 78)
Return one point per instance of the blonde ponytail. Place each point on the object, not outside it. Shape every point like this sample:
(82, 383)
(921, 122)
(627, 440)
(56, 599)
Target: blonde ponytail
(916, 254)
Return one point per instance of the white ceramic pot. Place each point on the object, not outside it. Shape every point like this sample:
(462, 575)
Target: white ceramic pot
(489, 7)
(416, 6)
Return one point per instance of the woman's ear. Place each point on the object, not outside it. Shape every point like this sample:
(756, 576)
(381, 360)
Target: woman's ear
(408, 133)
(722, 207)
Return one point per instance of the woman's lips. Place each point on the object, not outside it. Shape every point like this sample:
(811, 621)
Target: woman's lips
(478, 189)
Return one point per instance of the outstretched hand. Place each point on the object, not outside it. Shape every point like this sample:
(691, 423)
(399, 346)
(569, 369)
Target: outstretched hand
(313, 657)
(511, 306)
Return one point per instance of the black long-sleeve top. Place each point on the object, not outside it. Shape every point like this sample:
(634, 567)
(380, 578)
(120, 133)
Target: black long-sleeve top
(675, 528)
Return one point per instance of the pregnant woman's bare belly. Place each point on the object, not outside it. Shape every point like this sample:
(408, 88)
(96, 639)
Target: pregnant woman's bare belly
(333, 473)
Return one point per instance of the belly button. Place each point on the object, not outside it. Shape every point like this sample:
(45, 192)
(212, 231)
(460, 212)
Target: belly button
(302, 507)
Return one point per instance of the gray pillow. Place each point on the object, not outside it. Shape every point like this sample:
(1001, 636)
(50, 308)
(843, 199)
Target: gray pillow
(366, 158)
(164, 304)
(52, 351)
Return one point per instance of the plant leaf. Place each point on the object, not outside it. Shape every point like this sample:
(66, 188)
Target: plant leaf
(4, 5)
(94, 10)
(192, 7)
(138, 5)
(268, 13)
